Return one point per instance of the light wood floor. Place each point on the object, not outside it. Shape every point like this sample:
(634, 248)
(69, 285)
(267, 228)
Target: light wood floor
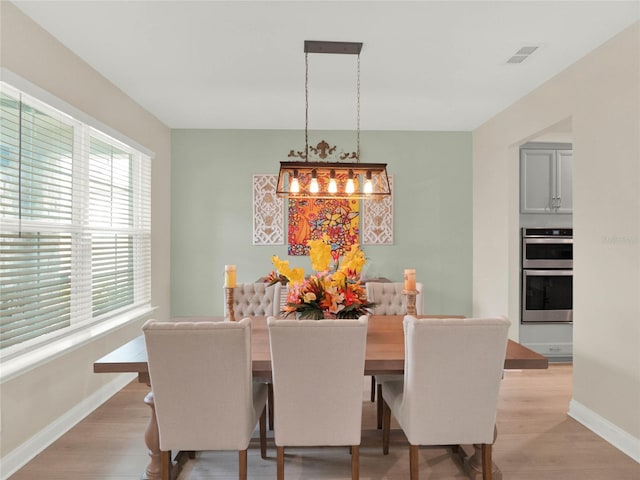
(536, 441)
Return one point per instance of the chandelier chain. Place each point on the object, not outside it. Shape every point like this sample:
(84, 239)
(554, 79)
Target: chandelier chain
(358, 112)
(306, 107)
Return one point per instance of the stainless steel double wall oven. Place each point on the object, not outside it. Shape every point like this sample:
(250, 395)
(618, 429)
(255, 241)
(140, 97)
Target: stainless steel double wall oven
(547, 275)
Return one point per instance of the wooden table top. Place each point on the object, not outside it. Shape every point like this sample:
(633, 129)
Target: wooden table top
(384, 354)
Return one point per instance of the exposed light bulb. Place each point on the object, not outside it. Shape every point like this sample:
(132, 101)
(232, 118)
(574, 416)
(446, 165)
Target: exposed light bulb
(333, 185)
(350, 187)
(294, 186)
(314, 187)
(368, 184)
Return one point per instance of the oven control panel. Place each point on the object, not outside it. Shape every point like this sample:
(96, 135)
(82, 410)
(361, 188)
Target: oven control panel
(548, 232)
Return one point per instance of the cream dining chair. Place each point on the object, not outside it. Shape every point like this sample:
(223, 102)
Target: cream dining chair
(308, 353)
(257, 299)
(204, 395)
(390, 300)
(449, 392)
(254, 299)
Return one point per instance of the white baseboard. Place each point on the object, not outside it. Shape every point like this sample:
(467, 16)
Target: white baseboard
(622, 440)
(21, 455)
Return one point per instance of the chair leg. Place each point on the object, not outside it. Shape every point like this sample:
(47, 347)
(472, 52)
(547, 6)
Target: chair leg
(165, 465)
(263, 433)
(386, 426)
(414, 474)
(379, 405)
(373, 388)
(242, 464)
(487, 462)
(280, 463)
(355, 462)
(270, 404)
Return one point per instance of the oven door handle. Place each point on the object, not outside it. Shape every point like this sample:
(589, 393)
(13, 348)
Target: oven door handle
(563, 241)
(547, 273)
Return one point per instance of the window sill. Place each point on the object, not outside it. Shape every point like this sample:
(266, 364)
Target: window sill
(16, 362)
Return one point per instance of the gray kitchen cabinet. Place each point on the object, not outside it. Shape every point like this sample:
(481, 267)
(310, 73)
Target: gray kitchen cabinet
(546, 178)
(564, 181)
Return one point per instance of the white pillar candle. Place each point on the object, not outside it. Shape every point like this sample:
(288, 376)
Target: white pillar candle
(410, 279)
(230, 276)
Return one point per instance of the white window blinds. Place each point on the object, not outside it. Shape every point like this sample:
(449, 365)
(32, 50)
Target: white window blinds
(74, 222)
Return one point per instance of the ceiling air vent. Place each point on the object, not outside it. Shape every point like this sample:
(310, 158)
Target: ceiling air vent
(522, 54)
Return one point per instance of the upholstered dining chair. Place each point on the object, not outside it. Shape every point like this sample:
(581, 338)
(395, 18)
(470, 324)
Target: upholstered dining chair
(308, 353)
(280, 298)
(390, 300)
(257, 299)
(449, 392)
(204, 394)
(254, 299)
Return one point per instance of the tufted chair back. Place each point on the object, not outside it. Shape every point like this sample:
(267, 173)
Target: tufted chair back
(254, 299)
(389, 299)
(280, 298)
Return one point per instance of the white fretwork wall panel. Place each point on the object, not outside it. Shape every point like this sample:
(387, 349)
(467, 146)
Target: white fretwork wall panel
(377, 220)
(268, 211)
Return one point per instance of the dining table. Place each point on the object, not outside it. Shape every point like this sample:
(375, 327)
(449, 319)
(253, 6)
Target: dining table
(384, 356)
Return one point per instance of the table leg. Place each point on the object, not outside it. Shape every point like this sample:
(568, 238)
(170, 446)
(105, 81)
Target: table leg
(152, 440)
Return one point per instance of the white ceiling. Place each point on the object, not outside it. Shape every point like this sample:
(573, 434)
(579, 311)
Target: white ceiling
(425, 65)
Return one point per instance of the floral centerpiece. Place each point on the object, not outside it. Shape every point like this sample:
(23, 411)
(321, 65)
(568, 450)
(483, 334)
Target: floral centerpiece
(333, 291)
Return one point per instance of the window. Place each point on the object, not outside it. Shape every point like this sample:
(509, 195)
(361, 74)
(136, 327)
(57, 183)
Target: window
(75, 222)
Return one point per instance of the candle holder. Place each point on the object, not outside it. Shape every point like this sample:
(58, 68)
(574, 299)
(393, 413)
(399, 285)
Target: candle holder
(228, 295)
(411, 301)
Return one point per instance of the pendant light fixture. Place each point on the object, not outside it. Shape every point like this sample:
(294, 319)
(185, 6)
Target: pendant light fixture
(319, 178)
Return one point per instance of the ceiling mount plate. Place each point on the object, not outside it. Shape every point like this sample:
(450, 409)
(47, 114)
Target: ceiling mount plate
(351, 48)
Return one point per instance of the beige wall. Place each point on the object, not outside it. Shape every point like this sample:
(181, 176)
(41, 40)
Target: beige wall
(34, 400)
(600, 95)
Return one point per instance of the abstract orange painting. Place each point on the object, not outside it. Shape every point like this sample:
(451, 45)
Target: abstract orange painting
(318, 218)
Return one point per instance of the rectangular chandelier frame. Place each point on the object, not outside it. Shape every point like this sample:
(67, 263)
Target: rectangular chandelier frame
(362, 173)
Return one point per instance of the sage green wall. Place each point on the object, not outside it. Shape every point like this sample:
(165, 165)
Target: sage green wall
(211, 211)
